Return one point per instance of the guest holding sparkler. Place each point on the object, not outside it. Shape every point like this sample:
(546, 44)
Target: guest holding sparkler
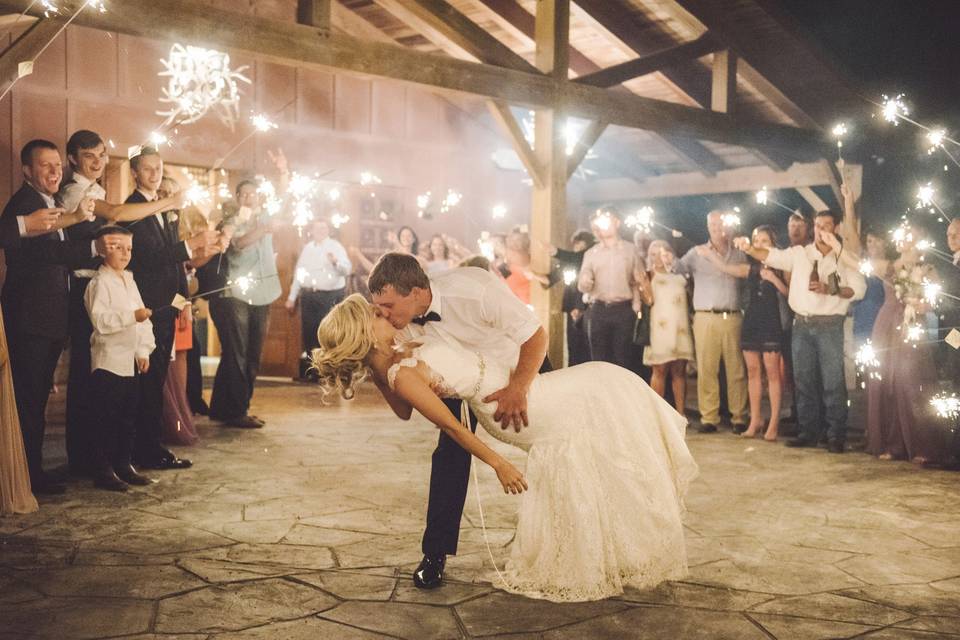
(243, 312)
(158, 269)
(717, 324)
(874, 268)
(570, 261)
(320, 284)
(822, 286)
(897, 429)
(949, 356)
(762, 334)
(671, 343)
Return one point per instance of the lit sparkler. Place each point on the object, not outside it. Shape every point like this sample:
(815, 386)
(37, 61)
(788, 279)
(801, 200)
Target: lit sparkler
(642, 220)
(866, 267)
(450, 201)
(931, 292)
(200, 80)
(302, 275)
(868, 364)
(262, 123)
(197, 195)
(485, 244)
(946, 406)
(367, 179)
(730, 220)
(158, 138)
(913, 333)
(936, 137)
(569, 276)
(925, 195)
(840, 132)
(602, 220)
(894, 109)
(763, 196)
(333, 194)
(339, 219)
(499, 211)
(243, 283)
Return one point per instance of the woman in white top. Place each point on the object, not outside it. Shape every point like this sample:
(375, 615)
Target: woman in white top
(671, 344)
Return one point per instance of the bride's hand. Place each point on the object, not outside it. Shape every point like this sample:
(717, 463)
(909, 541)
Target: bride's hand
(511, 478)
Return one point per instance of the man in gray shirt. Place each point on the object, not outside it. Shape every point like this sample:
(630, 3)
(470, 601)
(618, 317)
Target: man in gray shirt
(716, 328)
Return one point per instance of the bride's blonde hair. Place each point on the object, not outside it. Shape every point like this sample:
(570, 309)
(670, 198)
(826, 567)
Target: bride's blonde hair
(346, 337)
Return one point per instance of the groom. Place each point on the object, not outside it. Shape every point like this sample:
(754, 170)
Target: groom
(471, 307)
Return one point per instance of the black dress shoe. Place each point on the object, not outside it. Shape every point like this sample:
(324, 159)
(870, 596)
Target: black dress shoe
(429, 574)
(835, 445)
(801, 442)
(47, 486)
(108, 480)
(129, 475)
(166, 463)
(257, 419)
(738, 428)
(706, 427)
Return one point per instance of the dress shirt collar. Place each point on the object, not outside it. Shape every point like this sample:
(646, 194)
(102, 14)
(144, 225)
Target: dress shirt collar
(434, 302)
(147, 196)
(814, 253)
(46, 198)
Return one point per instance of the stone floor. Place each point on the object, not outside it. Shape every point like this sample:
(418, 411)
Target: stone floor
(310, 528)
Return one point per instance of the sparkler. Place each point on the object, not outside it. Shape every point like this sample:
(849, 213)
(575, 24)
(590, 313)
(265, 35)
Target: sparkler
(925, 199)
(333, 194)
(763, 198)
(913, 333)
(197, 195)
(866, 267)
(840, 132)
(450, 201)
(946, 406)
(894, 109)
(339, 219)
(200, 80)
(302, 275)
(642, 220)
(498, 211)
(485, 243)
(367, 178)
(931, 292)
(730, 220)
(261, 124)
(602, 220)
(569, 276)
(868, 364)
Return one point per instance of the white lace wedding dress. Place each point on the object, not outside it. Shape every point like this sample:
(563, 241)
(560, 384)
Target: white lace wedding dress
(607, 468)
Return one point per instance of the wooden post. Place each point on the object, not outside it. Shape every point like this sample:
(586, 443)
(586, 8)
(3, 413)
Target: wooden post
(549, 213)
(724, 92)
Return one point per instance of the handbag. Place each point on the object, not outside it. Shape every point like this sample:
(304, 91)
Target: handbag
(641, 328)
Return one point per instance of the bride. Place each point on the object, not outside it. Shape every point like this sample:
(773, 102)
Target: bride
(607, 467)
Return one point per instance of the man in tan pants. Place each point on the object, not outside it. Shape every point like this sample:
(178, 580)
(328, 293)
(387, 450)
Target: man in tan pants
(716, 328)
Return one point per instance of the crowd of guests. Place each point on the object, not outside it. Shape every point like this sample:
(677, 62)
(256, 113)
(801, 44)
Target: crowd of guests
(117, 282)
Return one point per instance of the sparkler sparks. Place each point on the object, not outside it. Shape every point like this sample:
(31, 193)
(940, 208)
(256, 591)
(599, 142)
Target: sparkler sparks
(866, 268)
(840, 132)
(569, 276)
(894, 109)
(499, 211)
(946, 406)
(925, 195)
(485, 244)
(931, 292)
(450, 201)
(936, 137)
(339, 219)
(197, 195)
(200, 80)
(602, 220)
(262, 123)
(333, 194)
(302, 275)
(367, 178)
(868, 364)
(730, 220)
(763, 196)
(157, 138)
(642, 220)
(243, 283)
(914, 333)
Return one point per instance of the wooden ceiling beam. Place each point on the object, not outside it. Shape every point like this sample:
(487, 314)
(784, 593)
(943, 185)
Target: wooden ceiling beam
(741, 180)
(315, 13)
(723, 92)
(587, 139)
(307, 47)
(508, 123)
(618, 74)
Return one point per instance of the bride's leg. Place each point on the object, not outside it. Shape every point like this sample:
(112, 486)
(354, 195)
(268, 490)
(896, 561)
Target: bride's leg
(678, 379)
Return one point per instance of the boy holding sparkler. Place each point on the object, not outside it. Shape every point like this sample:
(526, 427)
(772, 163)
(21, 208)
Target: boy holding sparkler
(121, 345)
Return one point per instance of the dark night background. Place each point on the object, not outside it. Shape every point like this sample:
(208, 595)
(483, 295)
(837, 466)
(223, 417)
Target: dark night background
(895, 46)
(884, 47)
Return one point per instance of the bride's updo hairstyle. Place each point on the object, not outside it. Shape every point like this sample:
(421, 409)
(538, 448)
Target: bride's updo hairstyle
(345, 337)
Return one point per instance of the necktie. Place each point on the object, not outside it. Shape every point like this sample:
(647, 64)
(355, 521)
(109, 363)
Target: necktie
(433, 316)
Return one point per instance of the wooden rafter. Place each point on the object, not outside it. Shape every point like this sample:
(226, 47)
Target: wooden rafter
(723, 92)
(294, 44)
(814, 200)
(315, 13)
(727, 181)
(618, 74)
(508, 123)
(587, 139)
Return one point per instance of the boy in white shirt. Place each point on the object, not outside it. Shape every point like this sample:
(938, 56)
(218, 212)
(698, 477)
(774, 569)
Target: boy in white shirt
(120, 349)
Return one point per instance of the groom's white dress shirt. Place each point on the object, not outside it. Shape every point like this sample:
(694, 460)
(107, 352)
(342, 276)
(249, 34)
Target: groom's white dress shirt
(479, 312)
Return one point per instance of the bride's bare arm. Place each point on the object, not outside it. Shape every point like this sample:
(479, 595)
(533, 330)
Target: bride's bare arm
(400, 406)
(412, 388)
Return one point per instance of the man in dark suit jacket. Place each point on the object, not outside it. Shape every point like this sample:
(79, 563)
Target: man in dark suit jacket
(157, 266)
(34, 297)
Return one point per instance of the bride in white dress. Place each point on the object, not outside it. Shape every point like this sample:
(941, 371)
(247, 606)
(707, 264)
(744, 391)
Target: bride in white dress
(607, 466)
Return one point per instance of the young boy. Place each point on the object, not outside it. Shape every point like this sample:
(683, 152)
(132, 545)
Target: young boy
(120, 349)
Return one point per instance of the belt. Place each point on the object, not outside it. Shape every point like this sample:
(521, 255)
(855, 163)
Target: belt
(616, 303)
(801, 319)
(723, 311)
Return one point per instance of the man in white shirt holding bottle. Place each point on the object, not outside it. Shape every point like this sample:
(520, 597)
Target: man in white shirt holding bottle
(822, 285)
(320, 282)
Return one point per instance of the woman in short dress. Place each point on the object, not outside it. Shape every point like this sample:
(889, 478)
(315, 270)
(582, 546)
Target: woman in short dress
(671, 344)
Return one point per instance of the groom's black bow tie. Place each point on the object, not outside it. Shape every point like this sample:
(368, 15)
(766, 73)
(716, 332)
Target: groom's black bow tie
(433, 316)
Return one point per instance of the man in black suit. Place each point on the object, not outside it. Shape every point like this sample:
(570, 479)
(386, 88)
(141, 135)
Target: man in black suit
(34, 296)
(157, 266)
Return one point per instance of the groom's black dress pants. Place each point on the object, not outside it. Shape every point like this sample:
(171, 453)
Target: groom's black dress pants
(449, 478)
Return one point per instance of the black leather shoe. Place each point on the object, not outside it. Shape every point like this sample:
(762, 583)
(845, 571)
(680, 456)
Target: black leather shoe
(801, 442)
(129, 475)
(166, 463)
(738, 428)
(108, 480)
(706, 427)
(429, 574)
(257, 419)
(835, 445)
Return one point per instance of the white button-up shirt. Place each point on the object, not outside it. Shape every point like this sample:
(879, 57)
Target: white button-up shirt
(315, 271)
(799, 261)
(118, 339)
(72, 193)
(479, 312)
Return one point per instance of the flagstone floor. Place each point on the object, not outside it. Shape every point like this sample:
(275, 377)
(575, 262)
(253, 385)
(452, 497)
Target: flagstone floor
(310, 528)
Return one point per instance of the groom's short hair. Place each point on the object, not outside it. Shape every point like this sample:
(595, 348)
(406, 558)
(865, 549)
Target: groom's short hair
(401, 271)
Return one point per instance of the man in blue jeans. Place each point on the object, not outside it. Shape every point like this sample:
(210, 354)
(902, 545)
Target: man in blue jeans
(823, 283)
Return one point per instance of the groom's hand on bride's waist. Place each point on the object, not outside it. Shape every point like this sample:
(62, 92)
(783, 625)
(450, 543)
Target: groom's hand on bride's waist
(511, 406)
